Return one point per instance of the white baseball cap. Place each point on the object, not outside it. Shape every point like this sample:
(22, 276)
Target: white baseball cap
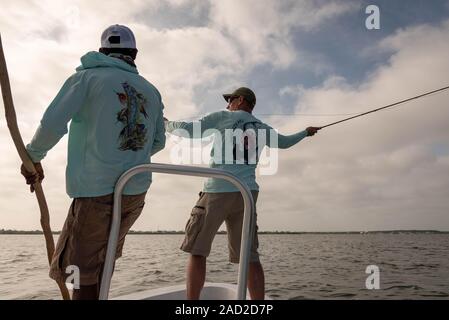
(118, 36)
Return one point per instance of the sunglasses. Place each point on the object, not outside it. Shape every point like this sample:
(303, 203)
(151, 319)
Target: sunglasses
(232, 98)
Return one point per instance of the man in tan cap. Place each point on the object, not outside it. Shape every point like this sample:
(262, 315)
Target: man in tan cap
(220, 201)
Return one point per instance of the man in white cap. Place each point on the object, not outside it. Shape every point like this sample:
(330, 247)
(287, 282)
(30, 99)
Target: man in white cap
(116, 123)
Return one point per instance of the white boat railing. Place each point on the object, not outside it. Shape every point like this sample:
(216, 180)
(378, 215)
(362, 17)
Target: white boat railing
(247, 229)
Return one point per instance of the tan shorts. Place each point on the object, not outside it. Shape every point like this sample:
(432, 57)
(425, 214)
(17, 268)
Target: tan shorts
(84, 237)
(206, 218)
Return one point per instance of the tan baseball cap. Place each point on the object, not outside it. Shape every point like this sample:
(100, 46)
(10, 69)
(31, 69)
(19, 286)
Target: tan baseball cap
(247, 93)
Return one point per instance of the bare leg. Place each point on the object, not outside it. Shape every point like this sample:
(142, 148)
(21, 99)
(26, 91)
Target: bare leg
(86, 293)
(256, 281)
(90, 292)
(196, 275)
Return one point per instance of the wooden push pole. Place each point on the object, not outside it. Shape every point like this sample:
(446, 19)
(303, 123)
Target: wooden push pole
(11, 120)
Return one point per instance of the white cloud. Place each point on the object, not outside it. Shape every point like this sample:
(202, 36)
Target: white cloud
(382, 163)
(263, 29)
(375, 172)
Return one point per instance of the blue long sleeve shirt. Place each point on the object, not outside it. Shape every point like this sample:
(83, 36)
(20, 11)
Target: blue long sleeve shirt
(224, 156)
(116, 122)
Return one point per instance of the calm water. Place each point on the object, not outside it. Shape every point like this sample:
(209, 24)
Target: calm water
(412, 266)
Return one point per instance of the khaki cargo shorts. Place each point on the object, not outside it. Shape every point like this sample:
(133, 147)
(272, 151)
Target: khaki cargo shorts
(210, 211)
(84, 237)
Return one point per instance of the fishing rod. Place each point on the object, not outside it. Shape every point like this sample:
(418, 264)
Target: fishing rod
(335, 114)
(388, 106)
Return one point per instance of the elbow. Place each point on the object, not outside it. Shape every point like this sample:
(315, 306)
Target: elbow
(158, 145)
(156, 149)
(162, 141)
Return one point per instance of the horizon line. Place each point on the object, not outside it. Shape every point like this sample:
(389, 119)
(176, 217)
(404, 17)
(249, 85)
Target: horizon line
(36, 231)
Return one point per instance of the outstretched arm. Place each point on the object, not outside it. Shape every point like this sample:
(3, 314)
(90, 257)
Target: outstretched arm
(277, 140)
(196, 129)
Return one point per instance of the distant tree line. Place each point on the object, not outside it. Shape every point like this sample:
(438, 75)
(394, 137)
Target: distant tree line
(8, 231)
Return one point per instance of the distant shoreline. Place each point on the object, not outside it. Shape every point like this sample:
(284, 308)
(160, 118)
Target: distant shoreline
(31, 232)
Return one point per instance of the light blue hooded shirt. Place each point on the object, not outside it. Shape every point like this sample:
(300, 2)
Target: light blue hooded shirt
(116, 123)
(217, 124)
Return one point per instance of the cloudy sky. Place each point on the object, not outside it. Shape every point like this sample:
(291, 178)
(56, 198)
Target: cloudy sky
(309, 62)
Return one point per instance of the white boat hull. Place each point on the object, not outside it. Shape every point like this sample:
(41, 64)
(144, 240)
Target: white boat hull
(211, 291)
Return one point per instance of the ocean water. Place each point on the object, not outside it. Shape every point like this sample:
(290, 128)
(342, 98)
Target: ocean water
(297, 266)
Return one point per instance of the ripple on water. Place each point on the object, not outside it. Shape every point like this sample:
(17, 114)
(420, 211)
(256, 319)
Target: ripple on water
(341, 295)
(403, 287)
(436, 295)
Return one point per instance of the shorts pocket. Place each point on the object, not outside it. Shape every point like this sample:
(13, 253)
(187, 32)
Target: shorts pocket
(96, 222)
(193, 227)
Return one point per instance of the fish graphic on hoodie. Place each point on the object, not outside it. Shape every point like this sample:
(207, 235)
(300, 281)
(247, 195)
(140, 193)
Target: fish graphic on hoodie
(109, 108)
(133, 135)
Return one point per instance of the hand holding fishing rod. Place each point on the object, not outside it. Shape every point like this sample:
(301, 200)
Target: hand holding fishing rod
(312, 131)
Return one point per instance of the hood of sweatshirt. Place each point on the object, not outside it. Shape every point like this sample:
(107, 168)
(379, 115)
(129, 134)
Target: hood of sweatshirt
(95, 59)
